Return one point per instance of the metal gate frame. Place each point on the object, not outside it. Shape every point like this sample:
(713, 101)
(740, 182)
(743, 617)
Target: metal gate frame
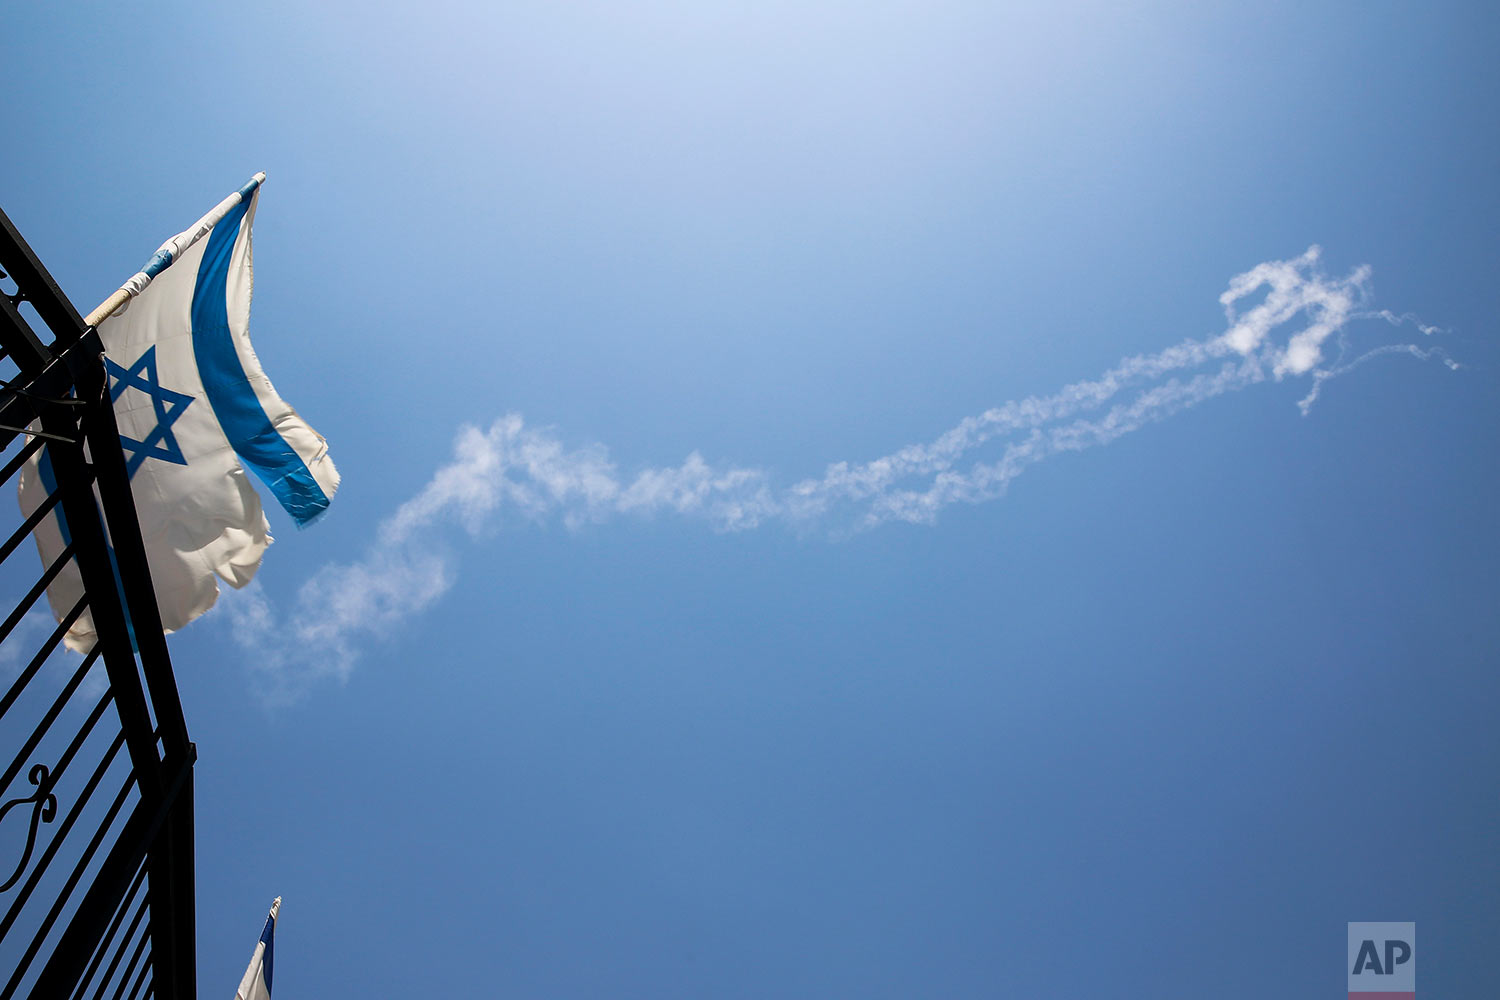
(105, 883)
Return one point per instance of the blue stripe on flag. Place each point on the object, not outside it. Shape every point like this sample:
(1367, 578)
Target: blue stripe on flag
(269, 937)
(49, 483)
(249, 430)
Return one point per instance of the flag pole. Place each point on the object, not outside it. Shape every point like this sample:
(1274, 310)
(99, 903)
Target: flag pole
(170, 251)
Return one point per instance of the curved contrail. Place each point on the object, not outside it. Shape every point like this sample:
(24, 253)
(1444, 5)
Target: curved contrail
(1280, 316)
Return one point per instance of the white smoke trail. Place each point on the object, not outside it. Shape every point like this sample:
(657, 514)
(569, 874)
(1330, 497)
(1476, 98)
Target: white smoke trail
(520, 471)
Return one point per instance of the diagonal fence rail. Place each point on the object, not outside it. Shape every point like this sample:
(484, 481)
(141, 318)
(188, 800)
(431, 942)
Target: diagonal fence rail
(96, 795)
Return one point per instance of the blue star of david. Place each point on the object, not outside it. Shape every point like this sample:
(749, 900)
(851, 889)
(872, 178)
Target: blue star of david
(160, 442)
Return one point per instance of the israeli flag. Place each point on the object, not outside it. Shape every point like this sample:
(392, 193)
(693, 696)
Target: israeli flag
(196, 415)
(256, 985)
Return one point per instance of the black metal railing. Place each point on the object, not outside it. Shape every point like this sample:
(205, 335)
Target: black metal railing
(96, 796)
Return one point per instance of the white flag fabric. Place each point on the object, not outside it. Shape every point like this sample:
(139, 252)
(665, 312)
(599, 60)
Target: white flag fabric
(195, 412)
(256, 985)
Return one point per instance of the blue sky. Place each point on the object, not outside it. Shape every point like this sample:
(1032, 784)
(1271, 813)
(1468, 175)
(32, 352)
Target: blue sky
(1159, 720)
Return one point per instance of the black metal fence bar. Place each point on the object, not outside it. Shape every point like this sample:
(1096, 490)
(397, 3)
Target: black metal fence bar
(28, 526)
(135, 957)
(81, 511)
(31, 447)
(107, 943)
(26, 350)
(36, 286)
(41, 730)
(135, 991)
(37, 589)
(41, 656)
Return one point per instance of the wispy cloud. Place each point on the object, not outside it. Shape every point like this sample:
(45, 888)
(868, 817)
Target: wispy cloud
(1280, 318)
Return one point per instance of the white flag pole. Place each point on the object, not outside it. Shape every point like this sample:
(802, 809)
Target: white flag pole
(170, 251)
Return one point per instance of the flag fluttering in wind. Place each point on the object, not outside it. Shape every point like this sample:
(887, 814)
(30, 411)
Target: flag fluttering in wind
(195, 412)
(256, 985)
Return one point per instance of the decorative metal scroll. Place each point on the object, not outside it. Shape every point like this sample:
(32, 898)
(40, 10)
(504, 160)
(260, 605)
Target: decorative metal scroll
(43, 810)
